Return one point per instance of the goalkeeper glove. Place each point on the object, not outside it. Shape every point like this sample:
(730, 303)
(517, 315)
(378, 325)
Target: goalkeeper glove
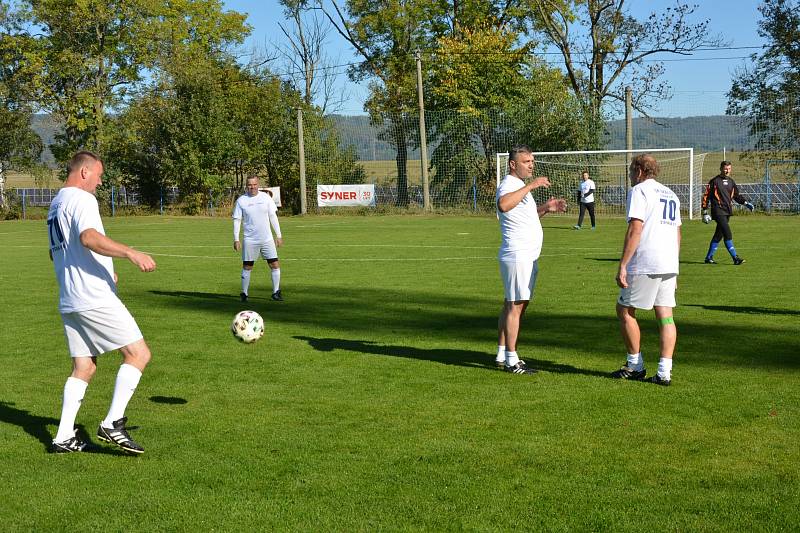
(706, 218)
(749, 206)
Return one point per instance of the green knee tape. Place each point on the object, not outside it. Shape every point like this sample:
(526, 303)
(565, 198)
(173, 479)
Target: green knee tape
(666, 321)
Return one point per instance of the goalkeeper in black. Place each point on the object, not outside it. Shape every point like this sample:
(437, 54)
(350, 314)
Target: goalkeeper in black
(717, 205)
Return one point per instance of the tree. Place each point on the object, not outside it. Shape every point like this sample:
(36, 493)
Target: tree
(93, 53)
(613, 46)
(499, 95)
(769, 91)
(20, 146)
(386, 33)
(305, 56)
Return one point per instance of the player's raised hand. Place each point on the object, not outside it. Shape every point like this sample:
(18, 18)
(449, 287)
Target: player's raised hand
(541, 181)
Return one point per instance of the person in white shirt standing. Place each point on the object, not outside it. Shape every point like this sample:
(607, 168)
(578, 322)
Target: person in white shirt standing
(258, 211)
(648, 270)
(586, 192)
(520, 247)
(95, 320)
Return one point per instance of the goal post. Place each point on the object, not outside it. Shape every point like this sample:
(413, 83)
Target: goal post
(681, 170)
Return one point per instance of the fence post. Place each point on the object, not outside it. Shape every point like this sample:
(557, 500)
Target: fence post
(113, 204)
(23, 203)
(628, 132)
(161, 200)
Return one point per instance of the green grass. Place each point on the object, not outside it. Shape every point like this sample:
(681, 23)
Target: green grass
(372, 402)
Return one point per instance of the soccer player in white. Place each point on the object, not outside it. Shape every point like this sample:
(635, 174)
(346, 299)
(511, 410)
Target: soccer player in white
(258, 211)
(648, 270)
(520, 247)
(95, 320)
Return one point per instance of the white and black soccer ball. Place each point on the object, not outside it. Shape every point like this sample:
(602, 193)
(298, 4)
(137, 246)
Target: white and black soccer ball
(247, 326)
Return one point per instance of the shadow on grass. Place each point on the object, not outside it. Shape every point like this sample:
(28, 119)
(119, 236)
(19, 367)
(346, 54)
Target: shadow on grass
(749, 310)
(446, 356)
(36, 427)
(169, 400)
(375, 312)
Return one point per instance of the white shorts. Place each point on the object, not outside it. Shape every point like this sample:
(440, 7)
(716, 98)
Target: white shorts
(519, 279)
(266, 250)
(101, 330)
(647, 290)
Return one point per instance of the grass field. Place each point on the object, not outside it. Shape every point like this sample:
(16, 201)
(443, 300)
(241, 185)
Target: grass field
(372, 402)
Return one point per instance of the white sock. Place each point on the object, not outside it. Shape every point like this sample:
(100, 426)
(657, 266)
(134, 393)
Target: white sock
(276, 279)
(127, 380)
(635, 361)
(511, 358)
(665, 367)
(245, 280)
(74, 391)
(501, 353)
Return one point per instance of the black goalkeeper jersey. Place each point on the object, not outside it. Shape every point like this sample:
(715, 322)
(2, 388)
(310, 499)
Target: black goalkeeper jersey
(720, 194)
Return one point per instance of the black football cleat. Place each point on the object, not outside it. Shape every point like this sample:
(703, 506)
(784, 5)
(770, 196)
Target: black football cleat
(519, 368)
(277, 296)
(119, 435)
(242, 296)
(627, 372)
(658, 380)
(709, 261)
(71, 445)
(738, 260)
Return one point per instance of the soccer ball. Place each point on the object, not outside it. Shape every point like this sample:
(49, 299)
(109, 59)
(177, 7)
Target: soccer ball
(247, 326)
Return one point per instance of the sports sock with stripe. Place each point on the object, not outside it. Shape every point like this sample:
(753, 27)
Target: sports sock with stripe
(127, 381)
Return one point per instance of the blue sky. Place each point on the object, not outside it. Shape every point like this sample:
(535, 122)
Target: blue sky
(699, 82)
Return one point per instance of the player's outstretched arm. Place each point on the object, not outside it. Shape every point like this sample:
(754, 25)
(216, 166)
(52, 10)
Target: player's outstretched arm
(510, 200)
(100, 244)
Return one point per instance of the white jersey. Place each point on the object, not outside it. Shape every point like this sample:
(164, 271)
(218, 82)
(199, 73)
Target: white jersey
(585, 187)
(85, 279)
(660, 211)
(520, 229)
(257, 212)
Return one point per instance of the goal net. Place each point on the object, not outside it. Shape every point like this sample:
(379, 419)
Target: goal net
(681, 171)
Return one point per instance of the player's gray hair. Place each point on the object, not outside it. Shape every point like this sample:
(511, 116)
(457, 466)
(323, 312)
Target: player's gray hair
(518, 149)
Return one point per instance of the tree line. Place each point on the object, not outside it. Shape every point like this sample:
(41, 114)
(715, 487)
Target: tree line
(157, 88)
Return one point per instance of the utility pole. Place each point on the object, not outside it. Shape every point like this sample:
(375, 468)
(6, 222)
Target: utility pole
(301, 155)
(628, 132)
(423, 142)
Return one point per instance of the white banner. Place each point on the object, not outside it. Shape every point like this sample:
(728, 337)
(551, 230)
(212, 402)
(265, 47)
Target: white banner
(345, 195)
(275, 192)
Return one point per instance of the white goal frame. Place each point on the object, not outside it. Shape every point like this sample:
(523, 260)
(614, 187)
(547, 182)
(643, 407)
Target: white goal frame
(690, 151)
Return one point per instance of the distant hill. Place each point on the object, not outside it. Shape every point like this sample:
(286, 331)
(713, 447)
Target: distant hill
(712, 133)
(706, 134)
(46, 127)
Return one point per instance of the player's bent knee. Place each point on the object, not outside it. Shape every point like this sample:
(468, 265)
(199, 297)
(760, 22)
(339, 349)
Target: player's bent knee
(84, 368)
(136, 354)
